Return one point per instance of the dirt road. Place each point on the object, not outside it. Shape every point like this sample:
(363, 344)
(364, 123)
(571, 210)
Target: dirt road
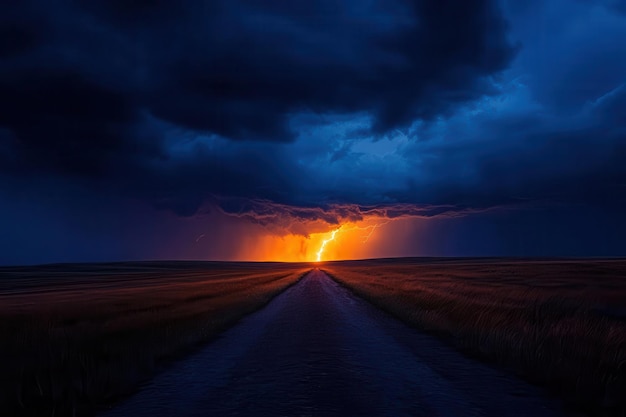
(317, 350)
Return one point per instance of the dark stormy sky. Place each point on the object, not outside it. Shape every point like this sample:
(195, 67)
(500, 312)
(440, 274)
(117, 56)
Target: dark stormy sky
(146, 129)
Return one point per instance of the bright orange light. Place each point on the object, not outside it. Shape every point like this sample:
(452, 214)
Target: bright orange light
(347, 241)
(349, 245)
(325, 242)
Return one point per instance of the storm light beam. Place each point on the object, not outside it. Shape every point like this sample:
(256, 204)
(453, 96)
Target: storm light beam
(324, 242)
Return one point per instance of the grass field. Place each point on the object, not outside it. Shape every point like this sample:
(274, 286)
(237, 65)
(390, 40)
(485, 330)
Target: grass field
(74, 338)
(558, 323)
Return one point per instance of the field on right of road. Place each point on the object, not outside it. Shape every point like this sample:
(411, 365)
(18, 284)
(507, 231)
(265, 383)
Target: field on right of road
(557, 323)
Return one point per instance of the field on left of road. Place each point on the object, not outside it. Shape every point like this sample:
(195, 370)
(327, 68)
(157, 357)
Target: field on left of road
(76, 337)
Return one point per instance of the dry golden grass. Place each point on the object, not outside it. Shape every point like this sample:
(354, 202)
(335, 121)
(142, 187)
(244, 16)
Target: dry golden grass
(76, 337)
(561, 324)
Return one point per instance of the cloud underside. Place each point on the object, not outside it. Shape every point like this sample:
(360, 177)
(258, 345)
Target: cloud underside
(283, 112)
(282, 218)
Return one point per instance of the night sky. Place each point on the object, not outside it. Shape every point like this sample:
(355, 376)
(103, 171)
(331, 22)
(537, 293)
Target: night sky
(253, 129)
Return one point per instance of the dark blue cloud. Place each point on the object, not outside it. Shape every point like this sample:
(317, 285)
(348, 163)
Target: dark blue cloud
(85, 86)
(313, 105)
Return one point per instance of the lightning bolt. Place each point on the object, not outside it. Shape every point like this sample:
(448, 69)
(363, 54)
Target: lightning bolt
(373, 227)
(325, 242)
(370, 229)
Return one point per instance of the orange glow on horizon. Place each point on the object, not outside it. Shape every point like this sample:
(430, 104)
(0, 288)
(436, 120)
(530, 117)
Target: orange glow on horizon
(347, 241)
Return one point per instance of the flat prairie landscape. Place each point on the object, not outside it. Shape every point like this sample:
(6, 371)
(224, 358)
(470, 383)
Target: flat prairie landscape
(388, 337)
(395, 180)
(76, 337)
(558, 323)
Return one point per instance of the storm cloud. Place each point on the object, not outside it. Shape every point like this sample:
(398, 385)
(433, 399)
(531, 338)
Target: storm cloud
(86, 90)
(282, 113)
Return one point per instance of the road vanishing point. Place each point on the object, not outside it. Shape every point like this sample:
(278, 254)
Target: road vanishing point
(318, 350)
